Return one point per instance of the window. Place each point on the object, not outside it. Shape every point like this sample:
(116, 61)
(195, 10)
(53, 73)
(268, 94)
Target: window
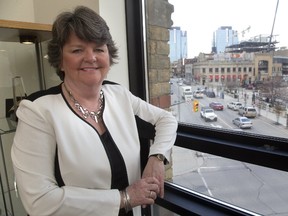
(250, 90)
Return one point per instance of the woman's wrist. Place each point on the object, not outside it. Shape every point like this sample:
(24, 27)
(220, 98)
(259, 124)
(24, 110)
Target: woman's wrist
(125, 201)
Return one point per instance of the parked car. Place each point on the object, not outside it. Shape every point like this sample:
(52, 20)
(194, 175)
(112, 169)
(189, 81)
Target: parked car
(247, 111)
(198, 94)
(208, 114)
(216, 105)
(210, 94)
(234, 105)
(242, 122)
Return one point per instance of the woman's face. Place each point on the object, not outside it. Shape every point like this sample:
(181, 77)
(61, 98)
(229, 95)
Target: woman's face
(85, 62)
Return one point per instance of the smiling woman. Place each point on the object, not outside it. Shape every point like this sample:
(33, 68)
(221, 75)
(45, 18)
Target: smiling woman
(89, 156)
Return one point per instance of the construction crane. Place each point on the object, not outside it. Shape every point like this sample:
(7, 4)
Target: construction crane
(245, 30)
(271, 35)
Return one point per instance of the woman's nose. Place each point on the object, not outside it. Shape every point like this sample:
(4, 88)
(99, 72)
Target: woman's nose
(90, 55)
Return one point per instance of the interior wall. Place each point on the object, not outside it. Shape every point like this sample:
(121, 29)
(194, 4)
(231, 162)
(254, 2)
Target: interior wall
(114, 14)
(46, 11)
(17, 10)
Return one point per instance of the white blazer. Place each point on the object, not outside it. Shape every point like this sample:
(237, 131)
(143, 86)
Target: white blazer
(46, 120)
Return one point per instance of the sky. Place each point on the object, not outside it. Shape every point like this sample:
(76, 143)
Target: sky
(200, 18)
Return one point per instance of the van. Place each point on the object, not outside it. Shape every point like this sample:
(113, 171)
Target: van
(247, 111)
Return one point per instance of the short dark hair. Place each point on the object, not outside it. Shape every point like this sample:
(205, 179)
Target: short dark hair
(87, 25)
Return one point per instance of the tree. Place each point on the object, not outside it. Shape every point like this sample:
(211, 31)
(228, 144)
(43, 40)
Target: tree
(275, 94)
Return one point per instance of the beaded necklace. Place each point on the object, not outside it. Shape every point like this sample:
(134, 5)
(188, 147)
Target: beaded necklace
(95, 115)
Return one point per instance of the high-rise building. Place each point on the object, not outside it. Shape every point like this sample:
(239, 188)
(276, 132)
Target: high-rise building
(178, 44)
(223, 37)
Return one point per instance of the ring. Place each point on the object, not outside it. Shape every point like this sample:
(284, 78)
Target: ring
(150, 195)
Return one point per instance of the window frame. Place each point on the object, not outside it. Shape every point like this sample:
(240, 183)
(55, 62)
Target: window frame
(263, 150)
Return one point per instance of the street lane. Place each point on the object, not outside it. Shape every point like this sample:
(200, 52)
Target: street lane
(183, 111)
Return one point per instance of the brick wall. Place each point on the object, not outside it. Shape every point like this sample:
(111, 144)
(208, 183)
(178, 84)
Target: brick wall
(158, 23)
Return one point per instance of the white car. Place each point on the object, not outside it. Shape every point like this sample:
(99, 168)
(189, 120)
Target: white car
(198, 94)
(234, 105)
(208, 114)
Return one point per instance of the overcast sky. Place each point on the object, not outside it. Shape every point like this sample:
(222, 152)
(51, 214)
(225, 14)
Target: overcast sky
(201, 18)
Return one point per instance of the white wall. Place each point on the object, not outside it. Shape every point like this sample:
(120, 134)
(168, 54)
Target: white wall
(46, 11)
(114, 14)
(17, 10)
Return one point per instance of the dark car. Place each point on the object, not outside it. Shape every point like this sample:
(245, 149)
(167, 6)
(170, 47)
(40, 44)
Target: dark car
(216, 105)
(210, 94)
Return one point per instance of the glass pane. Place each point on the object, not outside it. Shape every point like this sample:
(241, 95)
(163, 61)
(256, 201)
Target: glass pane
(50, 76)
(229, 69)
(248, 186)
(16, 60)
(234, 54)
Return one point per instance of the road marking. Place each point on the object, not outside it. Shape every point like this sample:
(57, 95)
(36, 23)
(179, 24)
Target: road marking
(204, 181)
(216, 126)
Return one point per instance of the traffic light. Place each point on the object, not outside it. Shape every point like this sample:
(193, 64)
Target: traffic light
(195, 105)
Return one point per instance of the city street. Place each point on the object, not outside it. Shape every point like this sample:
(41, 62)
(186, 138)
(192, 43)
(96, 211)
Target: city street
(265, 123)
(258, 189)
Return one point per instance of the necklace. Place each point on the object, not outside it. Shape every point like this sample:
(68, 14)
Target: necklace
(95, 115)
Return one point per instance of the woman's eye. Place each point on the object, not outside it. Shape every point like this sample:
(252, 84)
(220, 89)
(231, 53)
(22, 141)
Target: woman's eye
(77, 51)
(99, 50)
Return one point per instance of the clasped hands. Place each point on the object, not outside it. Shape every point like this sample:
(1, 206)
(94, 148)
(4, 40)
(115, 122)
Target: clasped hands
(144, 191)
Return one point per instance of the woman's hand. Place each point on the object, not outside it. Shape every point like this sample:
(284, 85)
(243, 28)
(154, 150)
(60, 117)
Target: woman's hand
(155, 168)
(143, 192)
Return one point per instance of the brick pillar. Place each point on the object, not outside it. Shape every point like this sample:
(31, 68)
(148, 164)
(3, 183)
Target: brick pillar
(159, 21)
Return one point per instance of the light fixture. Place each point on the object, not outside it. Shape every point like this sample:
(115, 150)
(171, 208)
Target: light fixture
(27, 39)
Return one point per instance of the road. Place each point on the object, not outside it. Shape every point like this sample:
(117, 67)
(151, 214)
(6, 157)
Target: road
(263, 124)
(259, 189)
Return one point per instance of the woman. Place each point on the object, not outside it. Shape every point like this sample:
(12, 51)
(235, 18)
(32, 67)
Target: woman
(76, 150)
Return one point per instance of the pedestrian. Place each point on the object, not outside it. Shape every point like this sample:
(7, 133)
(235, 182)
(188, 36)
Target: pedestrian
(76, 150)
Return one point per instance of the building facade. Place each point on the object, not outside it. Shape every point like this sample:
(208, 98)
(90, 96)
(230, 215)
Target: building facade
(241, 69)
